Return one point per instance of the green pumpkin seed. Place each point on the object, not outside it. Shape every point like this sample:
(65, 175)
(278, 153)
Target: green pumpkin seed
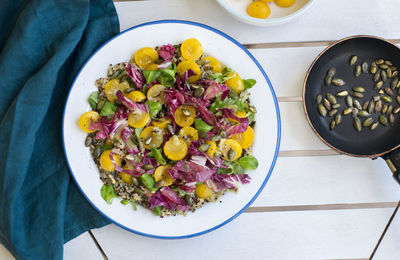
(374, 126)
(100, 105)
(368, 122)
(371, 106)
(198, 92)
(354, 113)
(376, 98)
(388, 63)
(398, 99)
(129, 90)
(231, 154)
(357, 71)
(332, 124)
(389, 73)
(338, 119)
(328, 80)
(319, 99)
(147, 141)
(186, 112)
(331, 72)
(331, 98)
(383, 120)
(381, 92)
(377, 76)
(378, 106)
(327, 104)
(380, 61)
(384, 108)
(365, 105)
(364, 67)
(383, 75)
(349, 101)
(336, 105)
(393, 68)
(147, 167)
(88, 141)
(383, 66)
(387, 99)
(216, 138)
(398, 84)
(363, 113)
(353, 60)
(203, 147)
(332, 112)
(338, 82)
(378, 85)
(357, 94)
(395, 73)
(390, 109)
(97, 151)
(394, 83)
(391, 119)
(159, 184)
(389, 91)
(357, 124)
(373, 68)
(396, 110)
(347, 111)
(359, 89)
(342, 93)
(357, 104)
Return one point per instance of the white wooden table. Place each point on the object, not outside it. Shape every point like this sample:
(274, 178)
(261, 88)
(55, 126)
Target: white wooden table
(317, 204)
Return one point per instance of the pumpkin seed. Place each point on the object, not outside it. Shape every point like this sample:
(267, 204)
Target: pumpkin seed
(159, 184)
(389, 73)
(357, 124)
(353, 60)
(186, 112)
(383, 120)
(365, 105)
(367, 122)
(393, 68)
(363, 113)
(357, 71)
(198, 92)
(331, 72)
(390, 109)
(394, 83)
(373, 68)
(354, 112)
(147, 141)
(384, 108)
(332, 124)
(347, 111)
(349, 101)
(376, 98)
(231, 154)
(336, 105)
(378, 85)
(357, 94)
(398, 99)
(380, 61)
(378, 106)
(395, 73)
(383, 66)
(387, 99)
(332, 112)
(357, 104)
(374, 126)
(97, 151)
(253, 109)
(388, 63)
(204, 147)
(364, 67)
(129, 90)
(371, 106)
(147, 167)
(391, 119)
(359, 89)
(383, 75)
(389, 91)
(342, 93)
(396, 110)
(100, 105)
(328, 80)
(215, 138)
(88, 141)
(381, 92)
(135, 181)
(331, 98)
(327, 104)
(338, 82)
(377, 76)
(338, 119)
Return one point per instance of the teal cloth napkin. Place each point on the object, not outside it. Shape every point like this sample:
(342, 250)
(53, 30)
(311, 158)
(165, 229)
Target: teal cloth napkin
(43, 44)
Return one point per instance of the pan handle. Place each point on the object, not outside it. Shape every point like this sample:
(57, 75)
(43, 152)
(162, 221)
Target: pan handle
(393, 161)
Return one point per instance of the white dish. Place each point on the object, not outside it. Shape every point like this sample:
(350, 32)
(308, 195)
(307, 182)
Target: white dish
(279, 15)
(120, 48)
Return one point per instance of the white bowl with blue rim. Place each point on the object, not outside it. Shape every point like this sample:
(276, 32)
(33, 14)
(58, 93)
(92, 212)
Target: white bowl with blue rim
(267, 130)
(279, 15)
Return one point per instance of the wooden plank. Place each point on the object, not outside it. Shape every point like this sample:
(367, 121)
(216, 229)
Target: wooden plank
(82, 247)
(274, 235)
(320, 22)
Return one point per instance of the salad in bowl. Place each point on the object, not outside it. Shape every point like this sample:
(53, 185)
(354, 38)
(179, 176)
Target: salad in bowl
(171, 129)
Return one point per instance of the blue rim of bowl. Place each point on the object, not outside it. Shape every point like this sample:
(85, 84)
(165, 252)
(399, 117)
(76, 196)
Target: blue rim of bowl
(277, 116)
(269, 21)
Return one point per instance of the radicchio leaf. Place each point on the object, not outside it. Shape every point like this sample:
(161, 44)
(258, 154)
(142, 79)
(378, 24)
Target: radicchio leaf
(234, 129)
(130, 104)
(136, 76)
(214, 89)
(220, 182)
(166, 52)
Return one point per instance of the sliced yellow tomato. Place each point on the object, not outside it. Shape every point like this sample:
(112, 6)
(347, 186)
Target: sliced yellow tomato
(184, 115)
(203, 191)
(211, 150)
(111, 88)
(145, 57)
(138, 118)
(235, 83)
(152, 67)
(156, 94)
(106, 163)
(215, 65)
(161, 173)
(189, 134)
(189, 65)
(126, 177)
(245, 139)
(136, 96)
(85, 120)
(175, 148)
(240, 114)
(230, 149)
(259, 9)
(151, 137)
(161, 123)
(191, 49)
(284, 3)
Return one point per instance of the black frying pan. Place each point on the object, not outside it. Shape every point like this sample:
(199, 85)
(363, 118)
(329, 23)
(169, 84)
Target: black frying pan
(384, 141)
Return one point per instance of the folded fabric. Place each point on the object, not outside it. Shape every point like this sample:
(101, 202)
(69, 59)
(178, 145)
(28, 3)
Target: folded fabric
(43, 44)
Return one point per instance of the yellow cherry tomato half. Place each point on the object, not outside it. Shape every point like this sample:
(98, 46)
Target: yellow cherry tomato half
(161, 123)
(175, 148)
(186, 65)
(189, 134)
(111, 88)
(203, 191)
(136, 96)
(156, 94)
(138, 118)
(152, 67)
(191, 49)
(106, 163)
(126, 177)
(184, 115)
(151, 137)
(267, 1)
(84, 120)
(211, 150)
(161, 173)
(230, 149)
(245, 139)
(284, 3)
(145, 57)
(215, 65)
(235, 83)
(259, 9)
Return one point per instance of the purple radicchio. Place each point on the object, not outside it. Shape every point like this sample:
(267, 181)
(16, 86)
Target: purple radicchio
(166, 52)
(214, 89)
(130, 104)
(234, 129)
(136, 76)
(220, 182)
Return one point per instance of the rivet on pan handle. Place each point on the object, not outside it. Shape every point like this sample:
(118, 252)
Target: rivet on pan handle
(393, 161)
